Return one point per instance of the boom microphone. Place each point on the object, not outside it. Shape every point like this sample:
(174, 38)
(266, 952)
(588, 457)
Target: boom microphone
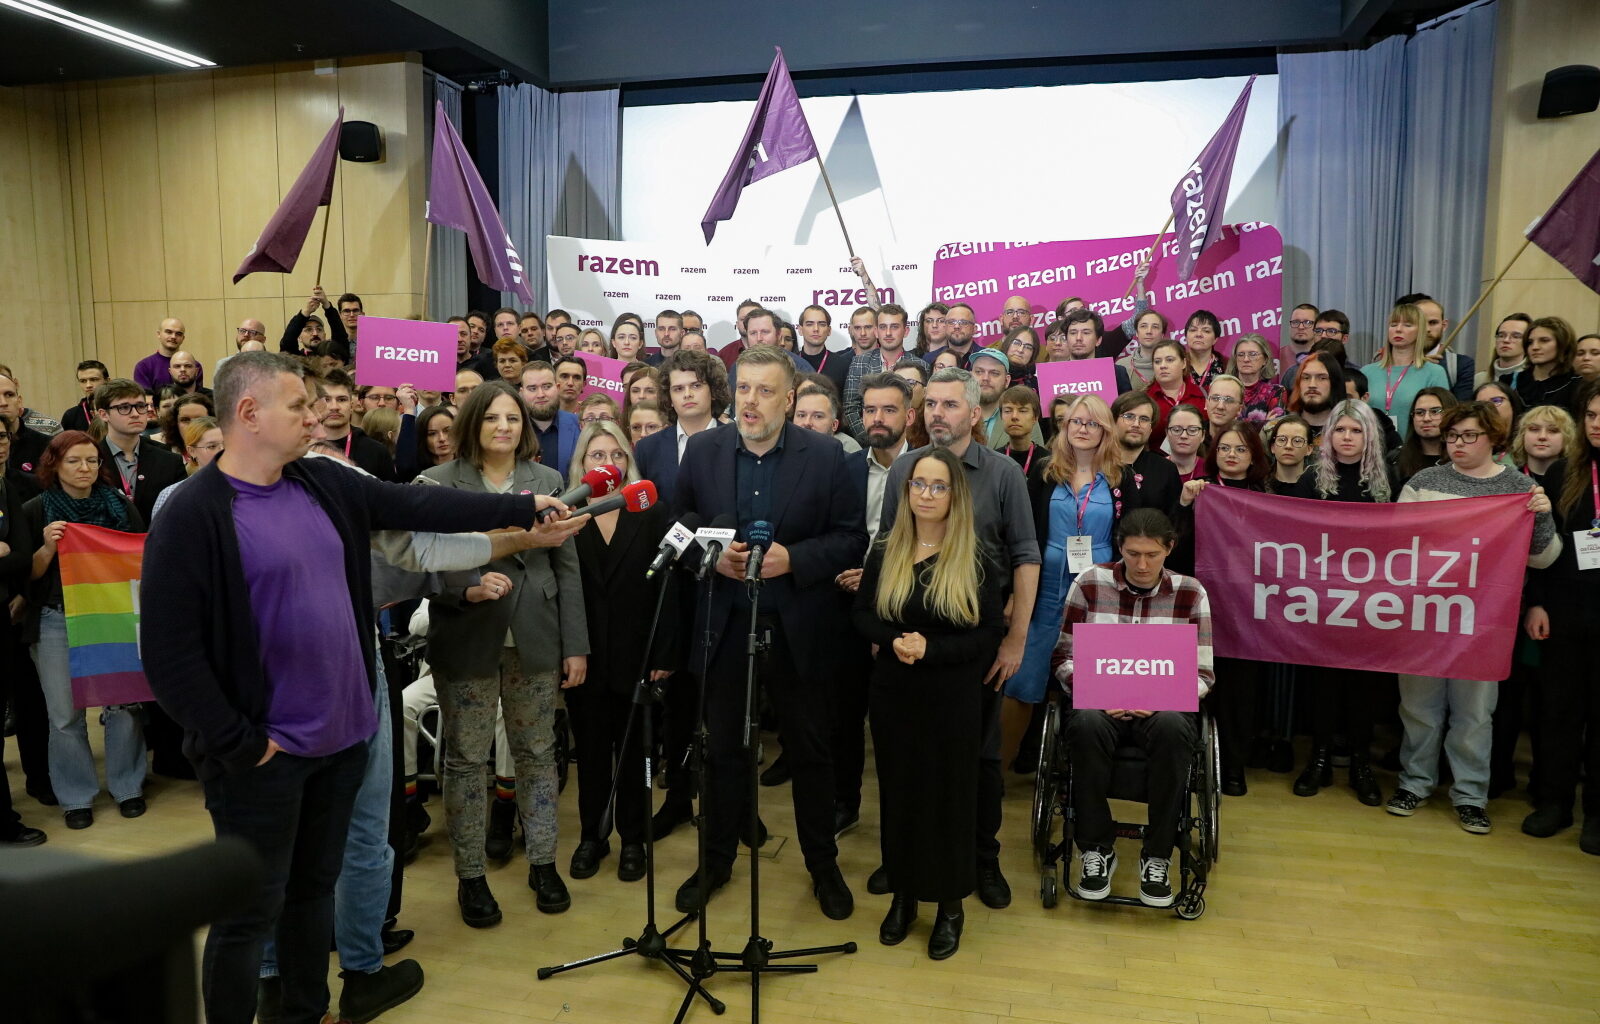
(636, 497)
(713, 539)
(759, 536)
(674, 544)
(598, 482)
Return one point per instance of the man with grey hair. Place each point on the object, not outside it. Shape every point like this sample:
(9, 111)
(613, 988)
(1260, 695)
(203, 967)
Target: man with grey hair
(1003, 516)
(263, 557)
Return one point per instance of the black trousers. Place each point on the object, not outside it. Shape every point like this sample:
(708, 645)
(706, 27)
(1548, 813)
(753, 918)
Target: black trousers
(680, 706)
(21, 685)
(806, 724)
(1342, 702)
(1168, 737)
(295, 812)
(1234, 703)
(991, 783)
(1569, 722)
(851, 695)
(599, 716)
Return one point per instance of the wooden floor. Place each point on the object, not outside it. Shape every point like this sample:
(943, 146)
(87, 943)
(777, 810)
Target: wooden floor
(1321, 910)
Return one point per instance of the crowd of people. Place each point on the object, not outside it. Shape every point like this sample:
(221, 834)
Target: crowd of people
(932, 516)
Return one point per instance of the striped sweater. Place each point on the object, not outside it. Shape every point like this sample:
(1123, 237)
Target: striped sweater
(1441, 483)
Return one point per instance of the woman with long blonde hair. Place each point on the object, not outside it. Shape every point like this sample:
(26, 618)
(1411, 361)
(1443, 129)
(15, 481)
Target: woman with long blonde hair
(931, 603)
(1402, 368)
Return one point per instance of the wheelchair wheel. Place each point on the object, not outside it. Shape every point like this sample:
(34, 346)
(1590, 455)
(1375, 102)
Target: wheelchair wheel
(1191, 906)
(1049, 894)
(1046, 785)
(1210, 792)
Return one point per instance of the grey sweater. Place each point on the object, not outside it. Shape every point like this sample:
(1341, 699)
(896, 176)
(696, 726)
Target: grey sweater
(1440, 483)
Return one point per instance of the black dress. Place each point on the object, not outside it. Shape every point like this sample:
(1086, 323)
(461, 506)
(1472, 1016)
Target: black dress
(927, 734)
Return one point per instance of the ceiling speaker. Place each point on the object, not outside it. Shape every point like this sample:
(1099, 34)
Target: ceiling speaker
(1574, 89)
(361, 142)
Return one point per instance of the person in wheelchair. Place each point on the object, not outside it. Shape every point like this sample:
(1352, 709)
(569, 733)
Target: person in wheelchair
(1136, 588)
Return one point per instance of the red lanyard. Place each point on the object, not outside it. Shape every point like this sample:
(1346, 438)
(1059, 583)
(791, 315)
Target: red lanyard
(1594, 491)
(1390, 389)
(1083, 506)
(348, 438)
(127, 488)
(824, 364)
(1029, 460)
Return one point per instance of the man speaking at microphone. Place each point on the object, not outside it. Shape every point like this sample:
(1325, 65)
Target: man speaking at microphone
(770, 475)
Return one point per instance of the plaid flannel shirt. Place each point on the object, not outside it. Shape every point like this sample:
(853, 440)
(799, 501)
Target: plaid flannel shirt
(1101, 594)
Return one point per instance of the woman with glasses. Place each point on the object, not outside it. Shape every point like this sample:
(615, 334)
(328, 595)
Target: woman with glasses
(614, 551)
(1504, 399)
(1200, 336)
(1149, 328)
(1473, 436)
(1550, 346)
(645, 418)
(1251, 362)
(513, 639)
(202, 443)
(1423, 446)
(1402, 369)
(1172, 386)
(1021, 348)
(77, 490)
(1288, 441)
(930, 601)
(1186, 437)
(1350, 466)
(931, 329)
(1509, 360)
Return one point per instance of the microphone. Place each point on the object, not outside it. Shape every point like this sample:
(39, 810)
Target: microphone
(712, 540)
(598, 482)
(636, 497)
(674, 544)
(759, 536)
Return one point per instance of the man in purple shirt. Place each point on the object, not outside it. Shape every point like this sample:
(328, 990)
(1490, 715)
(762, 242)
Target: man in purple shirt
(262, 559)
(154, 371)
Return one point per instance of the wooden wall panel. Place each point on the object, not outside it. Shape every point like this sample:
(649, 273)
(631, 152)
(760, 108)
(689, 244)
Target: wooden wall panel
(186, 138)
(307, 104)
(131, 164)
(384, 200)
(249, 187)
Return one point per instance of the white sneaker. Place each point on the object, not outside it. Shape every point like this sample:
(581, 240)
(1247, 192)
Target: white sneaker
(1154, 888)
(1094, 874)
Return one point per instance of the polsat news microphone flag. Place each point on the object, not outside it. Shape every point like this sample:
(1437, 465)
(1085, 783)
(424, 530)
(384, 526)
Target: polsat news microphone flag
(100, 597)
(277, 249)
(777, 139)
(1198, 201)
(457, 198)
(1570, 230)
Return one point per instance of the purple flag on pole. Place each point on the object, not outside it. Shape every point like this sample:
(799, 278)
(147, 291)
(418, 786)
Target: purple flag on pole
(1570, 230)
(457, 198)
(777, 139)
(278, 247)
(1198, 200)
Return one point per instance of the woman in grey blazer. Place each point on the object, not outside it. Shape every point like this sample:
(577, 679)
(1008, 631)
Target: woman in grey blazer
(512, 640)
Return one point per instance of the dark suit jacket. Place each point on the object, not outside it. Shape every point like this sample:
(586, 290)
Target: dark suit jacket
(567, 430)
(657, 459)
(619, 602)
(158, 470)
(818, 514)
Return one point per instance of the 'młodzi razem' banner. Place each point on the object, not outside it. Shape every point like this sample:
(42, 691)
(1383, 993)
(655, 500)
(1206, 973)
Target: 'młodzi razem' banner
(1428, 588)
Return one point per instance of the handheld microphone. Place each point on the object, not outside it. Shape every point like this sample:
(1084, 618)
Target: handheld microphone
(759, 536)
(598, 482)
(712, 540)
(636, 497)
(674, 544)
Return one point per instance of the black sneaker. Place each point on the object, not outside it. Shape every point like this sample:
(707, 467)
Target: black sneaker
(1473, 819)
(550, 890)
(365, 996)
(844, 820)
(478, 906)
(1546, 822)
(878, 881)
(1094, 874)
(993, 889)
(1154, 888)
(688, 898)
(1404, 803)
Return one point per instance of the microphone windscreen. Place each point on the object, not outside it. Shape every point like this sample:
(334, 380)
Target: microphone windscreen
(602, 480)
(640, 495)
(758, 533)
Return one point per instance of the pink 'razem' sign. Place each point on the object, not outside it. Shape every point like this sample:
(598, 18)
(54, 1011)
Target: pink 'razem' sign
(390, 353)
(1240, 279)
(604, 377)
(1136, 666)
(1076, 377)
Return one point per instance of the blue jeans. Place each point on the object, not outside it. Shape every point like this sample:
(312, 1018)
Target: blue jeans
(72, 771)
(1425, 702)
(361, 898)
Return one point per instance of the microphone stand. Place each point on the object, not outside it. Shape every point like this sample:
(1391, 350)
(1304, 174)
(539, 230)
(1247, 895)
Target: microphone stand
(652, 942)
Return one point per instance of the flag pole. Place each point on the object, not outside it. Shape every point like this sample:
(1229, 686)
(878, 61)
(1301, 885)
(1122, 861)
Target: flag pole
(1486, 292)
(1155, 254)
(835, 200)
(327, 214)
(427, 259)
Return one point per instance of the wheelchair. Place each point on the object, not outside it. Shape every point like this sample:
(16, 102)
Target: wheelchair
(1197, 826)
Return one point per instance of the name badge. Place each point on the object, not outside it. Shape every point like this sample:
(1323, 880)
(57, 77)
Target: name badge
(1586, 545)
(1080, 554)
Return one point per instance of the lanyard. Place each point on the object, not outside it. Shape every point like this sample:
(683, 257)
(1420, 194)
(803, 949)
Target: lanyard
(348, 438)
(824, 364)
(1029, 460)
(122, 481)
(1389, 389)
(1594, 491)
(1083, 506)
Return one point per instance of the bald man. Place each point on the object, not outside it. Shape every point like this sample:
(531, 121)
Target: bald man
(154, 371)
(185, 370)
(1017, 312)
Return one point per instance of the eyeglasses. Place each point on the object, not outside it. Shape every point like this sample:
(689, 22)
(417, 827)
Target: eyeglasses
(1015, 312)
(1289, 442)
(936, 489)
(128, 408)
(1301, 323)
(1223, 399)
(1184, 431)
(248, 332)
(1233, 449)
(616, 458)
(1082, 424)
(958, 323)
(1135, 419)
(596, 417)
(1427, 414)
(1464, 436)
(212, 447)
(1327, 332)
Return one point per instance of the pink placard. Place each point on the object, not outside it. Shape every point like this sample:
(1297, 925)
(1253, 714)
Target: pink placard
(390, 353)
(1076, 377)
(1136, 666)
(604, 377)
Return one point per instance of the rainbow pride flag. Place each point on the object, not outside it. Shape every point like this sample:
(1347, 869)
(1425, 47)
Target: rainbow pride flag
(100, 594)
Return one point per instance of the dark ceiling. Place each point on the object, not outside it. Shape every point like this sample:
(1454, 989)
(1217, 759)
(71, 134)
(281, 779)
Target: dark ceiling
(571, 43)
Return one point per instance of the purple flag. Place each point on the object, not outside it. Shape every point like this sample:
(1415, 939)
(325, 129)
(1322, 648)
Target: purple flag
(1198, 200)
(278, 247)
(458, 199)
(777, 139)
(1570, 230)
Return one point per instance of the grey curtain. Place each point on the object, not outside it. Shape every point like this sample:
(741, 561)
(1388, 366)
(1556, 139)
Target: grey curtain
(447, 262)
(1384, 171)
(558, 170)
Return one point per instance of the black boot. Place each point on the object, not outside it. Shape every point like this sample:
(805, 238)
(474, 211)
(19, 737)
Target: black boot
(946, 937)
(1318, 773)
(502, 815)
(478, 906)
(1363, 782)
(902, 911)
